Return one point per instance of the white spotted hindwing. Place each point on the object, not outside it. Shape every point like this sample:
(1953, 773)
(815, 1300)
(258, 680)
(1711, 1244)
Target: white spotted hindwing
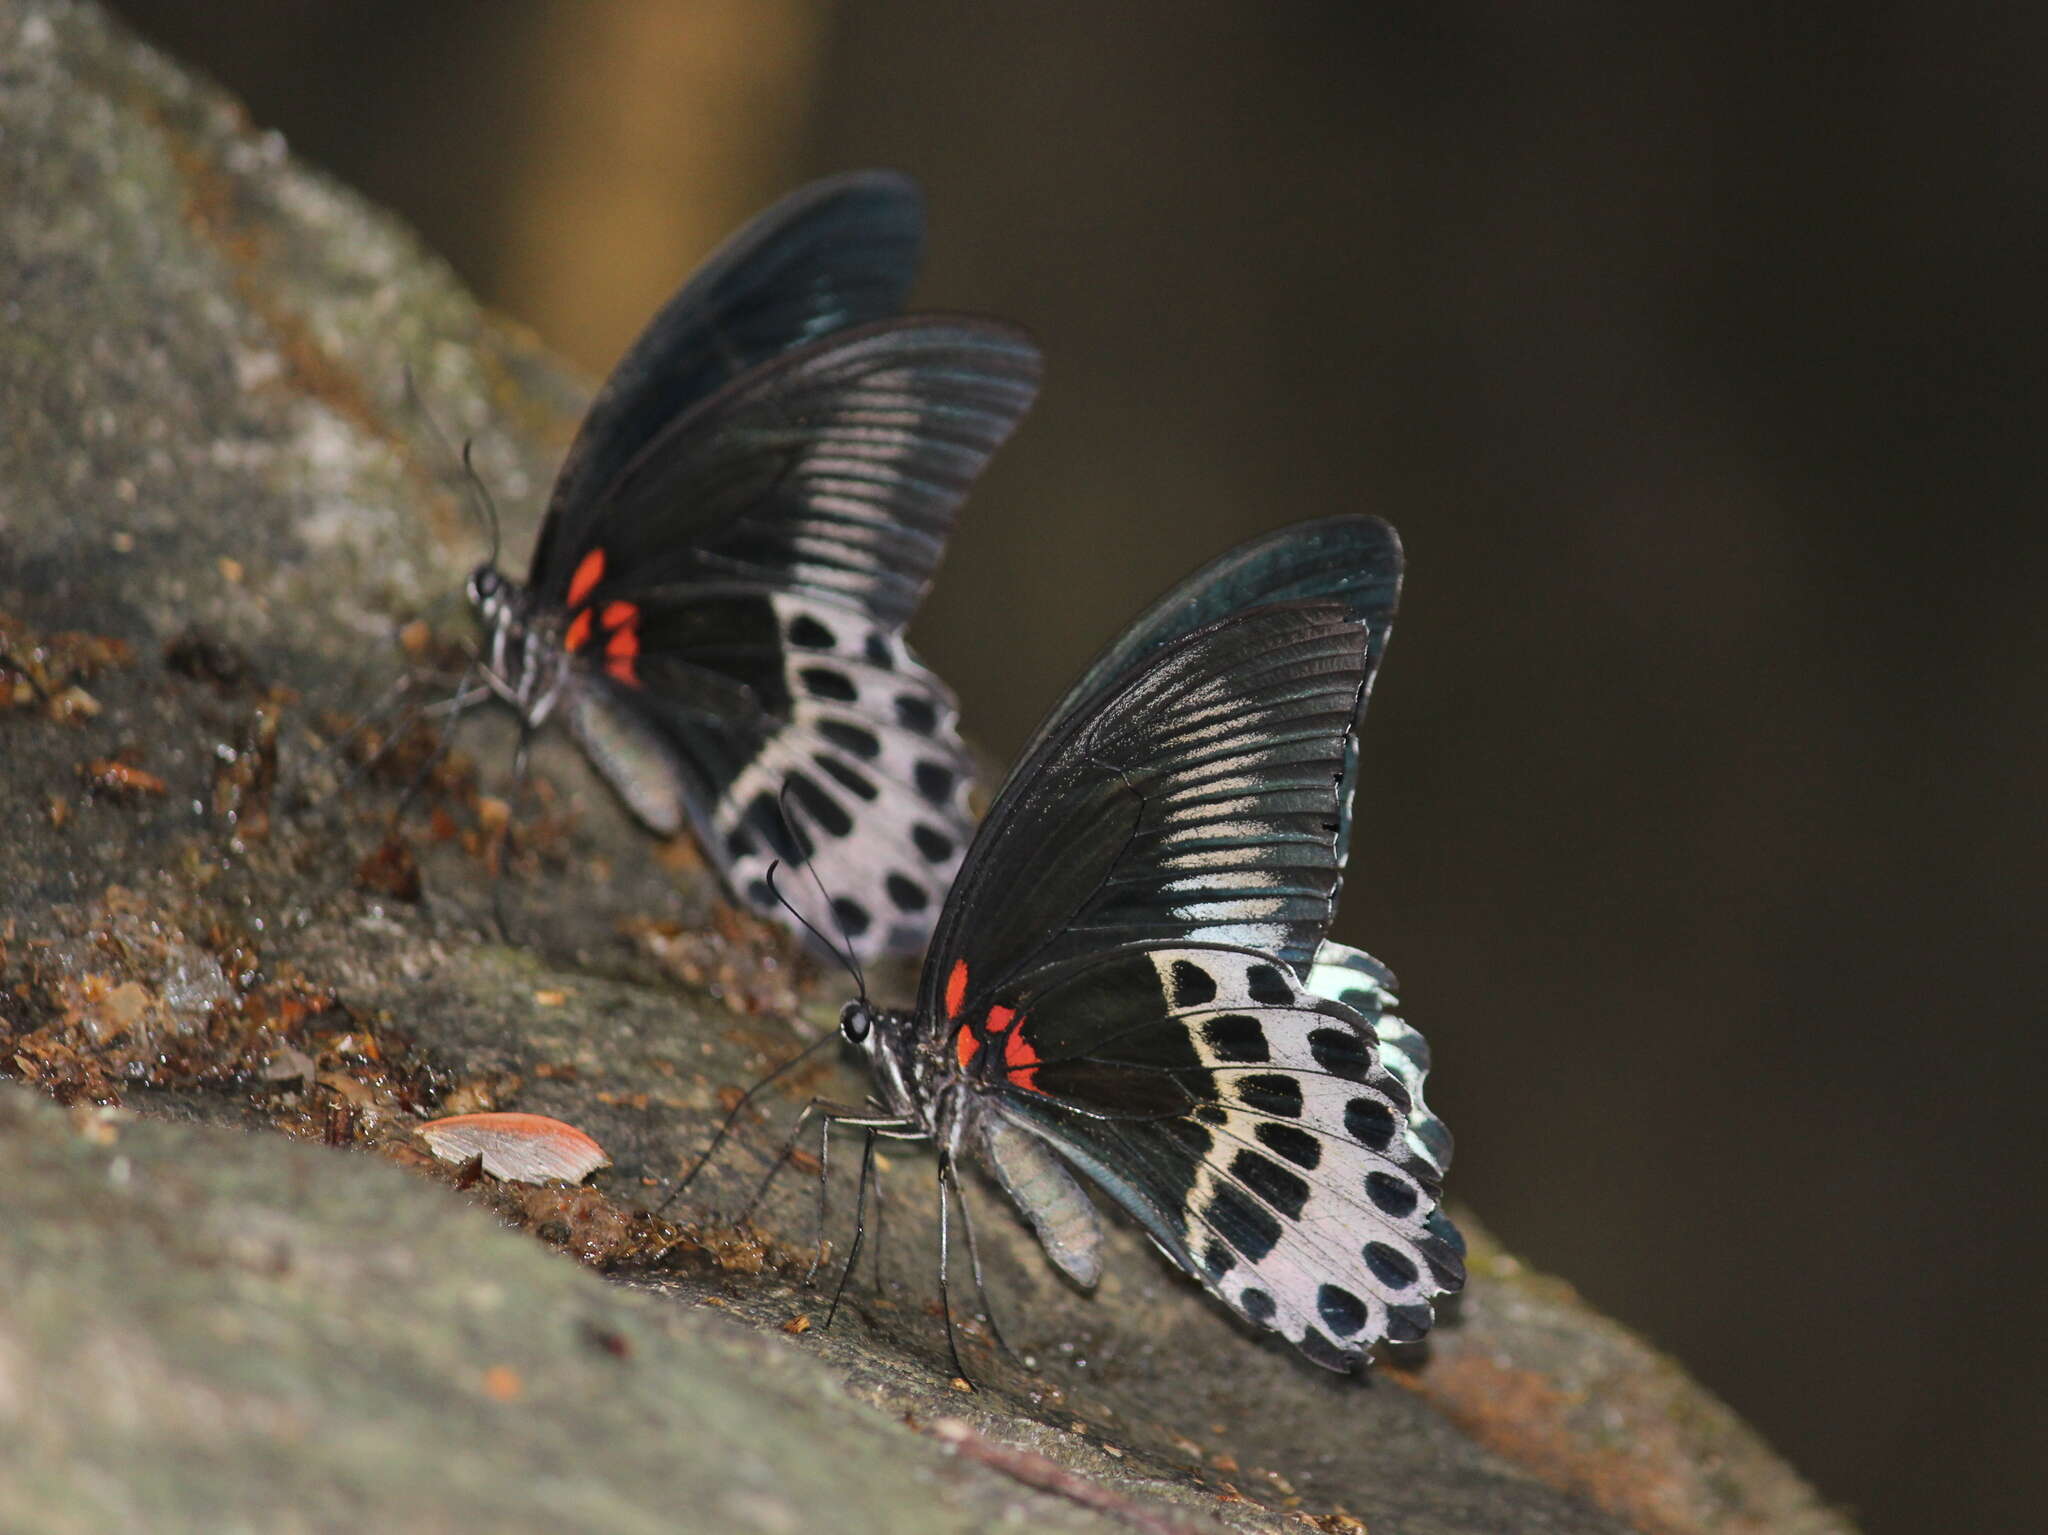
(868, 780)
(1262, 1134)
(845, 753)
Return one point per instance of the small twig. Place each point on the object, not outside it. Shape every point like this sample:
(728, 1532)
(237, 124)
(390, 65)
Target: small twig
(1035, 1470)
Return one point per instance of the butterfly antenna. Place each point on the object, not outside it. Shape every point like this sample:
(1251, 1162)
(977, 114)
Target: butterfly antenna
(843, 950)
(479, 497)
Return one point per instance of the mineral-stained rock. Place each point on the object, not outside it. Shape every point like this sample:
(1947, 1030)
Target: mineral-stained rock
(219, 513)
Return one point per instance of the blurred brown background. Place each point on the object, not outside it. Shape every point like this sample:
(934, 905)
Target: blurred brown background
(1698, 354)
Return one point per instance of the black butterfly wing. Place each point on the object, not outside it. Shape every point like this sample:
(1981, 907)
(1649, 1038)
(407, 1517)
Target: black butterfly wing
(1195, 801)
(1354, 560)
(1117, 971)
(734, 626)
(836, 468)
(838, 253)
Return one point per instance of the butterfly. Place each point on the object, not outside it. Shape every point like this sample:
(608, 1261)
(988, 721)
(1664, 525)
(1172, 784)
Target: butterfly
(1130, 984)
(747, 519)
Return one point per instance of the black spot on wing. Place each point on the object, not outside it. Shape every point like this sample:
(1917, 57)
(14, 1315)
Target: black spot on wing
(851, 915)
(1270, 1092)
(828, 683)
(1236, 1037)
(934, 781)
(1408, 1324)
(1268, 986)
(1395, 1197)
(1390, 1266)
(788, 843)
(1218, 1259)
(821, 807)
(933, 843)
(1192, 985)
(907, 893)
(850, 779)
(857, 739)
(1240, 1221)
(877, 651)
(1370, 1123)
(1291, 1142)
(1340, 1052)
(1318, 1349)
(1278, 1187)
(1212, 1114)
(1342, 1312)
(917, 713)
(807, 632)
(1258, 1305)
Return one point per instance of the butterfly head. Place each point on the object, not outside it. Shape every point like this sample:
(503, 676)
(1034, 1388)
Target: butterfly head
(489, 592)
(856, 1021)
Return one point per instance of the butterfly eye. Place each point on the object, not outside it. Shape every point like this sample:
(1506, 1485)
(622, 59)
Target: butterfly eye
(484, 584)
(854, 1022)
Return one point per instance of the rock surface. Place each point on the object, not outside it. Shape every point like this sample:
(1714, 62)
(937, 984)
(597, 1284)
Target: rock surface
(219, 511)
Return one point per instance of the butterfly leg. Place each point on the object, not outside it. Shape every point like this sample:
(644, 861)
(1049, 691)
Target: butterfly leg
(974, 1266)
(522, 771)
(860, 1201)
(945, 1234)
(732, 1118)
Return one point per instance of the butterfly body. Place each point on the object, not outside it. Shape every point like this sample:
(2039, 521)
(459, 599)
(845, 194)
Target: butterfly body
(748, 518)
(1131, 985)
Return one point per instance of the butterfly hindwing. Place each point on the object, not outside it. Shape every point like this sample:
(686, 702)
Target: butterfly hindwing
(835, 254)
(1253, 1127)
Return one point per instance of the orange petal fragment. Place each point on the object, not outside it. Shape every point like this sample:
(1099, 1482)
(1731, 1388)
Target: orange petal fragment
(519, 1148)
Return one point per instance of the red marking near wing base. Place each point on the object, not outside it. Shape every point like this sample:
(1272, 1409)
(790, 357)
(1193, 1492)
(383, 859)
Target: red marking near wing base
(965, 1045)
(589, 572)
(1000, 1018)
(1020, 1060)
(956, 988)
(579, 631)
(617, 615)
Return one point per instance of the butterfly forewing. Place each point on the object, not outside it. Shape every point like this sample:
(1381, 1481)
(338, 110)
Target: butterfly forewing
(837, 469)
(1196, 803)
(838, 253)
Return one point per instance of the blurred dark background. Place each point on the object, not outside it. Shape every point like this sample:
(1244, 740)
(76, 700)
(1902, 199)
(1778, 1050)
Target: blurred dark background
(1697, 352)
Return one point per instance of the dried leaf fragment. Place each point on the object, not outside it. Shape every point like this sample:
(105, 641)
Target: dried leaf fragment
(518, 1148)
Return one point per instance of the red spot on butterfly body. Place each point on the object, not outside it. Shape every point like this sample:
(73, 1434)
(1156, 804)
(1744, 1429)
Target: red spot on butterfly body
(589, 571)
(956, 988)
(579, 631)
